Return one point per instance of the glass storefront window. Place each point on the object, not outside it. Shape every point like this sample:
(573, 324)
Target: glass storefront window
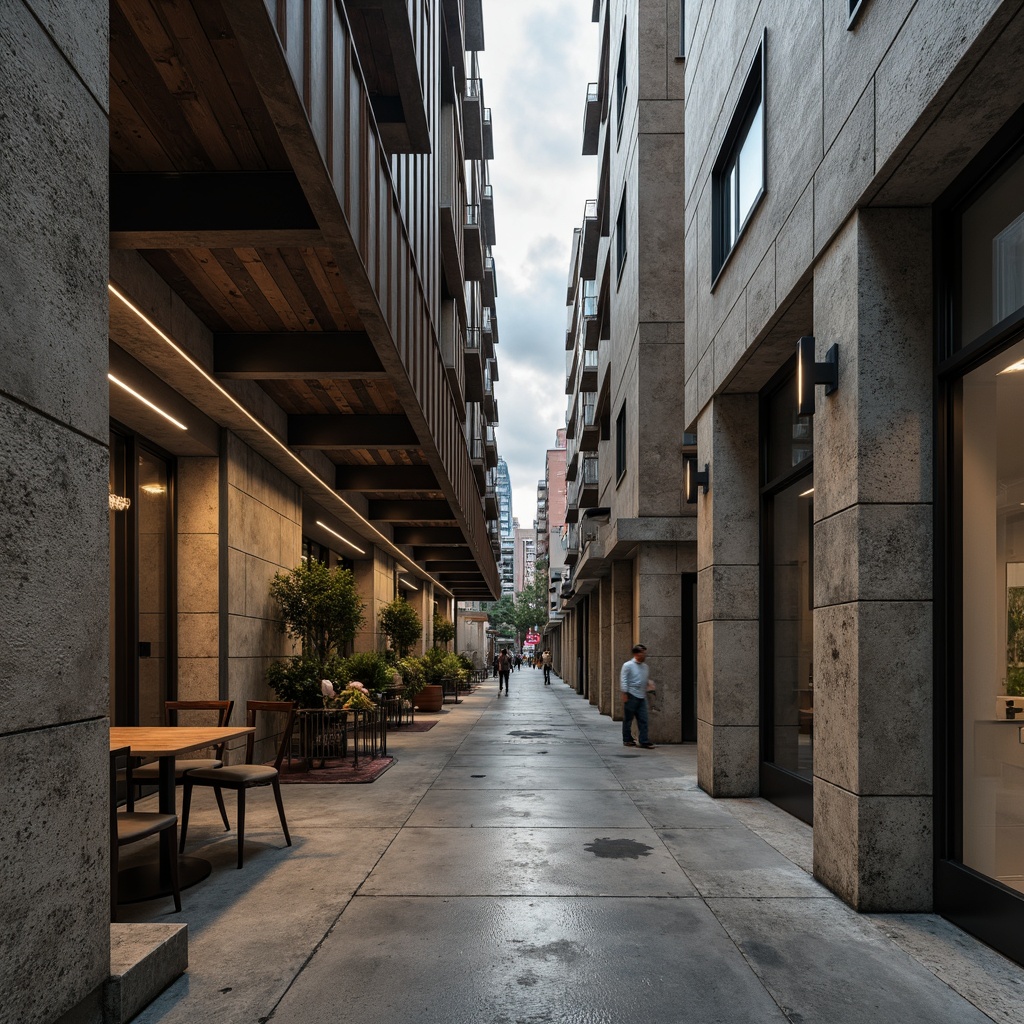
(793, 628)
(992, 460)
(992, 274)
(789, 440)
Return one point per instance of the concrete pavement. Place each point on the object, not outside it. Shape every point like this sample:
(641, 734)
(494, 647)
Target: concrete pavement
(518, 864)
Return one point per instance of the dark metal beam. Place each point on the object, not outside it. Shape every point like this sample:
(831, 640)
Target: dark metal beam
(418, 511)
(386, 478)
(428, 554)
(443, 566)
(296, 355)
(341, 432)
(428, 535)
(219, 209)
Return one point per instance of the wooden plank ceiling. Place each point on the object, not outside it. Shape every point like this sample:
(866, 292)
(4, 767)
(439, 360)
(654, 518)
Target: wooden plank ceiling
(183, 101)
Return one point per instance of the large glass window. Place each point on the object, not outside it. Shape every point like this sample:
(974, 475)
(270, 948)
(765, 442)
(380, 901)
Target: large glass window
(992, 471)
(992, 267)
(738, 178)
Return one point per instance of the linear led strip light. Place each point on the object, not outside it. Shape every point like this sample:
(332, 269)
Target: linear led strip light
(273, 437)
(145, 401)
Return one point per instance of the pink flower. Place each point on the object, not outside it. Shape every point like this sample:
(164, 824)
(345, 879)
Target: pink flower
(327, 688)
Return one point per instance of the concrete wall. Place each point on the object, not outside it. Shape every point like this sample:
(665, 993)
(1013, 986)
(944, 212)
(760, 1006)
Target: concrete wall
(54, 687)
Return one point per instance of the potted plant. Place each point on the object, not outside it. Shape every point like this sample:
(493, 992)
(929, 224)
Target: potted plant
(444, 631)
(321, 611)
(401, 626)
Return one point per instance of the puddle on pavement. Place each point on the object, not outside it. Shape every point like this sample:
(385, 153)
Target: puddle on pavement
(525, 735)
(618, 849)
(478, 776)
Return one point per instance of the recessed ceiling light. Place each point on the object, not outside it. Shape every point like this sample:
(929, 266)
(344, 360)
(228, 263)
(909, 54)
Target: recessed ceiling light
(153, 488)
(406, 583)
(145, 401)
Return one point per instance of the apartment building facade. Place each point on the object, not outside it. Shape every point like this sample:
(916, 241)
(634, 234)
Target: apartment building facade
(629, 544)
(854, 178)
(288, 354)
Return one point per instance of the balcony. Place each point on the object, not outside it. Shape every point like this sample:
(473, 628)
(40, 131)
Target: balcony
(489, 291)
(490, 403)
(474, 25)
(588, 429)
(572, 545)
(570, 323)
(487, 333)
(473, 243)
(476, 458)
(385, 39)
(492, 369)
(474, 364)
(456, 30)
(590, 241)
(473, 119)
(588, 372)
(490, 500)
(488, 135)
(450, 338)
(490, 448)
(488, 212)
(592, 120)
(588, 482)
(591, 323)
(571, 419)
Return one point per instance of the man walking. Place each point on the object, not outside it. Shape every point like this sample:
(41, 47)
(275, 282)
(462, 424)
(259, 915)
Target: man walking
(633, 682)
(504, 668)
(545, 660)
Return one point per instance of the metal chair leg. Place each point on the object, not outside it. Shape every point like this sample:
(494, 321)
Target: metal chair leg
(223, 811)
(280, 811)
(186, 803)
(241, 824)
(167, 840)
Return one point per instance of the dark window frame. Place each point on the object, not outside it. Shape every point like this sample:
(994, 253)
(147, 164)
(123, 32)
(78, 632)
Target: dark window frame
(621, 463)
(621, 245)
(854, 8)
(753, 97)
(621, 83)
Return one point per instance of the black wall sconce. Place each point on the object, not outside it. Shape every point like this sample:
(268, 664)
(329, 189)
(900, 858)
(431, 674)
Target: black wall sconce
(810, 374)
(695, 479)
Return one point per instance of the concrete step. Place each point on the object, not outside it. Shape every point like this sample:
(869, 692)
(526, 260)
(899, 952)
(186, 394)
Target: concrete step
(144, 960)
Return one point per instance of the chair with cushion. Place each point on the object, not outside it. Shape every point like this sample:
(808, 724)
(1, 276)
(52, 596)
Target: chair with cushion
(128, 827)
(149, 774)
(242, 777)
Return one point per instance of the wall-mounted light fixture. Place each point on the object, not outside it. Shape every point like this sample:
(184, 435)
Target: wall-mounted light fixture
(695, 479)
(809, 374)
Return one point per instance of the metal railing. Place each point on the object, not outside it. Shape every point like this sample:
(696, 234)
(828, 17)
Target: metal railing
(592, 92)
(472, 215)
(473, 338)
(588, 476)
(474, 88)
(590, 210)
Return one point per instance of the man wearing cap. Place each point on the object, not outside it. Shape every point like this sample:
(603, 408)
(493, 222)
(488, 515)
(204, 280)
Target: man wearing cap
(633, 682)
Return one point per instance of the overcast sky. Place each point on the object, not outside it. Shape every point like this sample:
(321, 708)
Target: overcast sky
(539, 58)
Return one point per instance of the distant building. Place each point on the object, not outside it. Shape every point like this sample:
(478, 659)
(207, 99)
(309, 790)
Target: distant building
(506, 526)
(525, 557)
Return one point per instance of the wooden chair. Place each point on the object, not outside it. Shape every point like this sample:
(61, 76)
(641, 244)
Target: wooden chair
(128, 827)
(242, 777)
(149, 774)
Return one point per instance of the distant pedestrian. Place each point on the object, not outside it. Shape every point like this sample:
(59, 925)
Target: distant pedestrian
(545, 660)
(519, 663)
(634, 682)
(504, 668)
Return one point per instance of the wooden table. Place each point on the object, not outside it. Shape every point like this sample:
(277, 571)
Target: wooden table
(150, 881)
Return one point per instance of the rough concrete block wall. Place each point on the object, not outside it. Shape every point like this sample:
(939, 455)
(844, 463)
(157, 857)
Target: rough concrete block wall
(728, 687)
(54, 687)
(198, 557)
(375, 578)
(873, 566)
(263, 537)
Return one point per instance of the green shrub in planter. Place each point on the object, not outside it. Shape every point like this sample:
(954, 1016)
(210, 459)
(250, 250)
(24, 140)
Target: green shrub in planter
(298, 679)
(401, 625)
(369, 668)
(413, 677)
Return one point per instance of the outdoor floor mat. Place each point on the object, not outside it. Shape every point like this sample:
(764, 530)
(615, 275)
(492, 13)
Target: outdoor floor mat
(416, 727)
(336, 771)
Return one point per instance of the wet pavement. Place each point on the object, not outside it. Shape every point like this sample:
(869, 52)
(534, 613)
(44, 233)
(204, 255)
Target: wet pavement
(518, 865)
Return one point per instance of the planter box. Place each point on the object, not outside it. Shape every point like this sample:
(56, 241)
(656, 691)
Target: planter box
(429, 698)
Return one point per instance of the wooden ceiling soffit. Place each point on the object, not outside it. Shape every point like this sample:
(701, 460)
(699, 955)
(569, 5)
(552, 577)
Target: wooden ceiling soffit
(309, 355)
(411, 511)
(433, 554)
(350, 432)
(212, 210)
(440, 535)
(385, 40)
(385, 478)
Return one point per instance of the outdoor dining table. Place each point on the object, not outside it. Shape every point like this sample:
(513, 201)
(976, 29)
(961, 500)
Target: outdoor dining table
(150, 881)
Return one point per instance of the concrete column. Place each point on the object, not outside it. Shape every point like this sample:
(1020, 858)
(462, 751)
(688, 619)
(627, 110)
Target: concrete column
(609, 682)
(623, 629)
(728, 690)
(594, 646)
(873, 565)
(54, 646)
(659, 626)
(198, 568)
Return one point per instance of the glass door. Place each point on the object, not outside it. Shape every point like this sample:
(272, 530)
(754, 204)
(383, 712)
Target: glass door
(142, 598)
(787, 600)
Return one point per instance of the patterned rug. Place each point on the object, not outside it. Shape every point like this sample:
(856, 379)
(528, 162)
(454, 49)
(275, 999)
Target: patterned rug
(335, 771)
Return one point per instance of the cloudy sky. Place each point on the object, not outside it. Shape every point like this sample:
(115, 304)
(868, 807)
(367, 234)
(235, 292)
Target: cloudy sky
(540, 56)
